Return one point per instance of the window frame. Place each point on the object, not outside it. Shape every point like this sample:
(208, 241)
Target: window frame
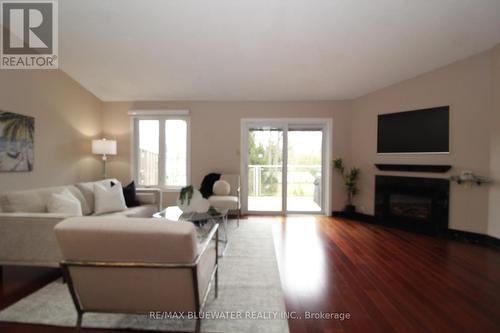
(161, 116)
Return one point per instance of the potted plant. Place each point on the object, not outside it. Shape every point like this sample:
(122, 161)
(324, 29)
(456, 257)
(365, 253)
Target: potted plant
(186, 194)
(350, 182)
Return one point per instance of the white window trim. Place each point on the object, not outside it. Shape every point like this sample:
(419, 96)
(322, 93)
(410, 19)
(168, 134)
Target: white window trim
(160, 115)
(142, 113)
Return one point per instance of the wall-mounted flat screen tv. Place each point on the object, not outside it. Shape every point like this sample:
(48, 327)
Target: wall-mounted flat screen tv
(413, 132)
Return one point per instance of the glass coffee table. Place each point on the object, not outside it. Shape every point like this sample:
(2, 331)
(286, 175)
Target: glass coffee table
(202, 221)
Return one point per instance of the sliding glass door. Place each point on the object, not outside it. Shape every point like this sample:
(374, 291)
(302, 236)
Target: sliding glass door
(284, 167)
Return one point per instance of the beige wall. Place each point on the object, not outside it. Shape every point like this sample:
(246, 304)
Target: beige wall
(215, 133)
(466, 87)
(66, 117)
(494, 213)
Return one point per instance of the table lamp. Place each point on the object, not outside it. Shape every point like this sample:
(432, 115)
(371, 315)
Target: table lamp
(104, 147)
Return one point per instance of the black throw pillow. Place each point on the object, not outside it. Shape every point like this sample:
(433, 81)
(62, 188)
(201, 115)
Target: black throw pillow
(129, 194)
(207, 184)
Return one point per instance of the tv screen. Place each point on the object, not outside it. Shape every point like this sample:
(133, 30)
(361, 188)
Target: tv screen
(420, 131)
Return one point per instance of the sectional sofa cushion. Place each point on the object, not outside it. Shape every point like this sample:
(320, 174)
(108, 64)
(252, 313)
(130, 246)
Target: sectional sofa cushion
(130, 240)
(64, 203)
(139, 211)
(30, 201)
(35, 201)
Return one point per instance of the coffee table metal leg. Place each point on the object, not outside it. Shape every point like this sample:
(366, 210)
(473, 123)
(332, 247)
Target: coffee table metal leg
(225, 227)
(223, 221)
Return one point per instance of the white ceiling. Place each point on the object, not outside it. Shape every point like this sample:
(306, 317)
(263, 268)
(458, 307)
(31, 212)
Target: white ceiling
(125, 50)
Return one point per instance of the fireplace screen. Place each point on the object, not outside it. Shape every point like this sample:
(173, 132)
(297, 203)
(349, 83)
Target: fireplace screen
(410, 206)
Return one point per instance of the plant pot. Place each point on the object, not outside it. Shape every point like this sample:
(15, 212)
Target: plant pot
(350, 209)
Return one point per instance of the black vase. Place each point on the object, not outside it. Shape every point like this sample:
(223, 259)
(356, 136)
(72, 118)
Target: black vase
(350, 209)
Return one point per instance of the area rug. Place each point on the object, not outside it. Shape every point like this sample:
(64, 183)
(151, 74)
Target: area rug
(250, 296)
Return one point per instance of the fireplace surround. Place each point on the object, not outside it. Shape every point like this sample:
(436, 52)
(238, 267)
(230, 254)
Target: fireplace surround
(413, 203)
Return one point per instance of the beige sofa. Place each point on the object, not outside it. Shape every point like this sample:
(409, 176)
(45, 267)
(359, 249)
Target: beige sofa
(136, 265)
(27, 230)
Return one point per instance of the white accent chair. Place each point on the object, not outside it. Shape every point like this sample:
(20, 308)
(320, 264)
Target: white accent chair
(225, 203)
(136, 265)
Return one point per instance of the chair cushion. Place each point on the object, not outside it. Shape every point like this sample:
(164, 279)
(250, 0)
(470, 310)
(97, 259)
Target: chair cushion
(224, 202)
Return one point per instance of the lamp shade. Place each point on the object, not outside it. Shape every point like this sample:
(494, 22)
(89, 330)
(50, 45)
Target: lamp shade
(104, 147)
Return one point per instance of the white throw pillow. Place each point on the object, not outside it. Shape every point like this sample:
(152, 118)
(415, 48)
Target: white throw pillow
(64, 203)
(108, 199)
(221, 187)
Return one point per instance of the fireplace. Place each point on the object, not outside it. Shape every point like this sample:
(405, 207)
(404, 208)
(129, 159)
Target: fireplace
(411, 203)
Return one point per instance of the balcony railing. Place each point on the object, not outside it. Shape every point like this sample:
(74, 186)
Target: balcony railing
(148, 167)
(304, 180)
(266, 180)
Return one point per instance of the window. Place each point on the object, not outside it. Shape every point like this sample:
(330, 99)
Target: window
(161, 150)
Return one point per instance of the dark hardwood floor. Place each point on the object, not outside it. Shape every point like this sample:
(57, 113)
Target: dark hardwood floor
(386, 280)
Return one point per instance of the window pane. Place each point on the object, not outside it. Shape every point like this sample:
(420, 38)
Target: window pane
(176, 152)
(305, 153)
(149, 132)
(265, 164)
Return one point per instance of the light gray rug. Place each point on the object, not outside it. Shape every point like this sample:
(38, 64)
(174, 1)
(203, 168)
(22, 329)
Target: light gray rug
(249, 285)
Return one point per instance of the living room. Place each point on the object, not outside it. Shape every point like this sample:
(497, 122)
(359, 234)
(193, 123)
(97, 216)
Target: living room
(244, 84)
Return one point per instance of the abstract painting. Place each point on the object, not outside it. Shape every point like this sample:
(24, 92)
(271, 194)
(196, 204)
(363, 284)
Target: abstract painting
(16, 142)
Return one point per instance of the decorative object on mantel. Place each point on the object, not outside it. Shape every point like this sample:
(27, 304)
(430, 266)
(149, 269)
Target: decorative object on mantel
(191, 200)
(16, 142)
(104, 147)
(441, 168)
(350, 182)
(468, 179)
